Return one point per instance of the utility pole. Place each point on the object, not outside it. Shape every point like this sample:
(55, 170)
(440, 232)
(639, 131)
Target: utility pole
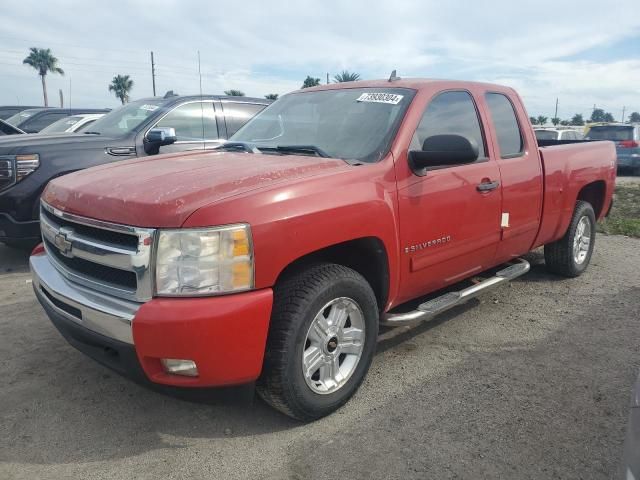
(555, 115)
(623, 109)
(153, 74)
(327, 78)
(61, 98)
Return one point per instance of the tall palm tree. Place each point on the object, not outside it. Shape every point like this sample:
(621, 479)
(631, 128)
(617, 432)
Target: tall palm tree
(44, 62)
(346, 76)
(121, 85)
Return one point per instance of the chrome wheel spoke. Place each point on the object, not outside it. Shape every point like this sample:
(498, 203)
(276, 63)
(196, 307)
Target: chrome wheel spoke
(582, 240)
(313, 360)
(338, 315)
(351, 342)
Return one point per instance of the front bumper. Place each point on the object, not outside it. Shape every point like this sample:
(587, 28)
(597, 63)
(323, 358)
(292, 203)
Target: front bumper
(224, 335)
(11, 229)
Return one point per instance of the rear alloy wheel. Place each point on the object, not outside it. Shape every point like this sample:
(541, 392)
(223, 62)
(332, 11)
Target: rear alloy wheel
(321, 341)
(571, 255)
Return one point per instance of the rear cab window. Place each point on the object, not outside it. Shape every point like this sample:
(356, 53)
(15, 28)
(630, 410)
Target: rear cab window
(237, 114)
(450, 113)
(505, 122)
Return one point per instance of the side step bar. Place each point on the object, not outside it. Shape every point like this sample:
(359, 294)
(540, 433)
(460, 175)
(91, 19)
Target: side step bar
(428, 310)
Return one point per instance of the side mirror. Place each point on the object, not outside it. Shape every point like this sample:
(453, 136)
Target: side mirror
(161, 136)
(443, 150)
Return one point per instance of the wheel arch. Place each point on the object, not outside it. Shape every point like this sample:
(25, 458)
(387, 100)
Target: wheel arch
(366, 255)
(594, 193)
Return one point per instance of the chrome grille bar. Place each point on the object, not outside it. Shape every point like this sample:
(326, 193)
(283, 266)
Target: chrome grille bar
(7, 172)
(73, 241)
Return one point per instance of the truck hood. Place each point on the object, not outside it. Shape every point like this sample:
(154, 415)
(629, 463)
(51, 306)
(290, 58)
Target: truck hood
(163, 191)
(63, 140)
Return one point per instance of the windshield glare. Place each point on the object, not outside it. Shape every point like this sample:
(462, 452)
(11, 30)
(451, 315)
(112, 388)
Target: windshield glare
(18, 118)
(351, 123)
(125, 119)
(61, 125)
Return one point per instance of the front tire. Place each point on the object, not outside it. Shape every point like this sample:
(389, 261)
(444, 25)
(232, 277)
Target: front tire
(322, 338)
(571, 255)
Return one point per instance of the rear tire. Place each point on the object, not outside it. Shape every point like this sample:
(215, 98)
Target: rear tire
(571, 255)
(321, 341)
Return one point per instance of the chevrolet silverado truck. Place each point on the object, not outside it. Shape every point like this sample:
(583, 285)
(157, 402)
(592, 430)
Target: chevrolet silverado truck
(145, 127)
(336, 210)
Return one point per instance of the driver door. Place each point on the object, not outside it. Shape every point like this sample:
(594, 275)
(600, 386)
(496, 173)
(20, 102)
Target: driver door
(449, 219)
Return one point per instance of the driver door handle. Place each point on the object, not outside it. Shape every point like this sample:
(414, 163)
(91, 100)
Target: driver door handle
(487, 186)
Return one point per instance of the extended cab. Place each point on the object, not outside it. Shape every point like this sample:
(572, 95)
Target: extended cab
(145, 127)
(333, 211)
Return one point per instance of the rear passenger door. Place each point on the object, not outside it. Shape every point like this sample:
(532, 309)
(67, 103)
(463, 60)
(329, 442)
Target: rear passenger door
(520, 175)
(195, 125)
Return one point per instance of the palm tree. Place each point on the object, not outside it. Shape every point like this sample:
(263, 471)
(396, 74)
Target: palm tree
(44, 62)
(121, 85)
(346, 76)
(271, 96)
(542, 120)
(234, 93)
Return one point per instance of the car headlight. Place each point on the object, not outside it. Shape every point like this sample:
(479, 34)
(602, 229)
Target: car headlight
(26, 165)
(192, 262)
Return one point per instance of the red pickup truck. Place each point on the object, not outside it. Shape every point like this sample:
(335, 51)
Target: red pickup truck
(336, 210)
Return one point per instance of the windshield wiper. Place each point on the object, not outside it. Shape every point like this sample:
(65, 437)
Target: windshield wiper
(304, 149)
(91, 133)
(242, 146)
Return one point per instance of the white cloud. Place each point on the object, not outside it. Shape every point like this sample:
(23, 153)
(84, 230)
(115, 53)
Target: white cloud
(269, 47)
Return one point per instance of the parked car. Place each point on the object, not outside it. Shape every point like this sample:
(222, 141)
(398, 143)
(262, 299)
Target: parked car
(8, 110)
(276, 258)
(627, 140)
(35, 119)
(632, 443)
(7, 129)
(138, 129)
(558, 134)
(74, 123)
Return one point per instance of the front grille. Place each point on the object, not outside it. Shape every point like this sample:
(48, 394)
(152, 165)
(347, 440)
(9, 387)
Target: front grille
(99, 234)
(111, 258)
(7, 173)
(112, 276)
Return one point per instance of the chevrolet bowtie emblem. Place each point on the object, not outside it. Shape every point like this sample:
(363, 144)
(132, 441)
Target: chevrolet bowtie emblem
(62, 241)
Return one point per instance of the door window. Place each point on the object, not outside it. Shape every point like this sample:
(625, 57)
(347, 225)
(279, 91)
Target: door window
(506, 125)
(450, 113)
(193, 122)
(38, 122)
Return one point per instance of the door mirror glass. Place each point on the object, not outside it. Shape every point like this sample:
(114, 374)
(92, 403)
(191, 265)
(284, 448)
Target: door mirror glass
(443, 150)
(161, 136)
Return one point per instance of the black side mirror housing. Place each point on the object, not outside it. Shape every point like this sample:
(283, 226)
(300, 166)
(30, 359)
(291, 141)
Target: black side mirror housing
(158, 137)
(443, 150)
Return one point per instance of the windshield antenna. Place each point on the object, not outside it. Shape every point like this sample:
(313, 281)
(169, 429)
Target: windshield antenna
(394, 77)
(204, 143)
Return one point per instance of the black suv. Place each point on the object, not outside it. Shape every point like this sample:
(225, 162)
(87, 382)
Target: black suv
(144, 127)
(32, 120)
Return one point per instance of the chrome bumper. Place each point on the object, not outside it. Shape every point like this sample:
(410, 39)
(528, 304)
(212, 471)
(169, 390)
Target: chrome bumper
(95, 311)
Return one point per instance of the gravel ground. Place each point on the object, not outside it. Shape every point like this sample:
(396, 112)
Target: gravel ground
(530, 381)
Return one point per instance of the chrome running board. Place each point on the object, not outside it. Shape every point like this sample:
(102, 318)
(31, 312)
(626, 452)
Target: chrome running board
(430, 309)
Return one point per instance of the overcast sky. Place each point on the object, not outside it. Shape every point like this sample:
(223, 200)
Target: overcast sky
(583, 52)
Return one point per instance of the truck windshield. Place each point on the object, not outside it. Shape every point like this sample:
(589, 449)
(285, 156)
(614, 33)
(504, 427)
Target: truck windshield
(610, 132)
(19, 117)
(124, 119)
(350, 123)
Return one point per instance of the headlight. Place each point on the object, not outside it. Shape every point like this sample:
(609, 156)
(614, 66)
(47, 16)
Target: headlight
(204, 261)
(26, 164)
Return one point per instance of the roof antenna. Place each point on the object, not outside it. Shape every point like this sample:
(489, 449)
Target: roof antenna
(394, 77)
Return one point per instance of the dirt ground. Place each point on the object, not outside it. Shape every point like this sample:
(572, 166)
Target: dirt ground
(529, 381)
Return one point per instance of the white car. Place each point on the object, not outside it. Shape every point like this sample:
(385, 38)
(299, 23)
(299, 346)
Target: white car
(558, 134)
(71, 124)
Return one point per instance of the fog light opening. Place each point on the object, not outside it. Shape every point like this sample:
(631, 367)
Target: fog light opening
(176, 366)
